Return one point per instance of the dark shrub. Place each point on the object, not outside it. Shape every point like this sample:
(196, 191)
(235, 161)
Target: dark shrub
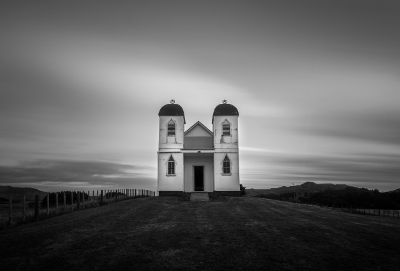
(242, 190)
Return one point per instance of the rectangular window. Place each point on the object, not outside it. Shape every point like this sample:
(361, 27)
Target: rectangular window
(226, 129)
(171, 129)
(171, 167)
(226, 167)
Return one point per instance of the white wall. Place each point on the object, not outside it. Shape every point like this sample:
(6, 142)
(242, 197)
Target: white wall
(168, 142)
(226, 182)
(170, 183)
(225, 142)
(198, 131)
(205, 160)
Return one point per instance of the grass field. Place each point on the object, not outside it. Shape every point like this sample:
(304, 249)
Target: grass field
(226, 233)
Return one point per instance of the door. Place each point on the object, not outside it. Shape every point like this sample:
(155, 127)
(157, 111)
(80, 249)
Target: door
(198, 178)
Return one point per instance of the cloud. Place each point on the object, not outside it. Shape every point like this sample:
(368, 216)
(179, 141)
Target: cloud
(72, 175)
(381, 127)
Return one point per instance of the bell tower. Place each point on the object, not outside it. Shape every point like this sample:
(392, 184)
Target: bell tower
(170, 158)
(226, 155)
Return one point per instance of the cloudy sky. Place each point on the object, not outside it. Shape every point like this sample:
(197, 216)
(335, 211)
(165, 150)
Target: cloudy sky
(317, 85)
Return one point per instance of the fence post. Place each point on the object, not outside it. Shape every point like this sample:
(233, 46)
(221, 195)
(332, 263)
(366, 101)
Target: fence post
(78, 200)
(23, 210)
(57, 203)
(48, 204)
(10, 211)
(36, 207)
(101, 196)
(65, 202)
(72, 200)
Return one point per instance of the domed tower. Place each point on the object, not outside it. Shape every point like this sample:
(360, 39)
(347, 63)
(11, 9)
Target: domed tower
(170, 158)
(226, 155)
(172, 126)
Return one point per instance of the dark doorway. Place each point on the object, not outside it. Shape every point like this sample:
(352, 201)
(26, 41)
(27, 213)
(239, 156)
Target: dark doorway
(198, 178)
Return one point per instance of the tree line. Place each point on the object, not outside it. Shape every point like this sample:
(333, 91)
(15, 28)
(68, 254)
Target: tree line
(350, 197)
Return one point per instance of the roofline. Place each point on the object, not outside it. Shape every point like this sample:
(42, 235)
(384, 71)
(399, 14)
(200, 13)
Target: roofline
(202, 125)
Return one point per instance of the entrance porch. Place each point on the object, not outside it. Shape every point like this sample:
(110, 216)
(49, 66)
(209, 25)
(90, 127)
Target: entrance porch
(198, 172)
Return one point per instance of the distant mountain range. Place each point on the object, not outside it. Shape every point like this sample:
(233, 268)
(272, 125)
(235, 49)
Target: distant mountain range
(18, 192)
(304, 189)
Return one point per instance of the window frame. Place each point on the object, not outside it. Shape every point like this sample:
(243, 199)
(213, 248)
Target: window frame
(171, 122)
(171, 161)
(226, 123)
(229, 167)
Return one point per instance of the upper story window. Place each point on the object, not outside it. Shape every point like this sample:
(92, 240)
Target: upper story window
(226, 128)
(171, 128)
(171, 166)
(226, 165)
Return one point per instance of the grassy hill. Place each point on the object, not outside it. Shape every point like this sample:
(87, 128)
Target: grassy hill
(226, 233)
(18, 192)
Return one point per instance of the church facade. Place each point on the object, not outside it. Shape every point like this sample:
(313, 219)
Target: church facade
(197, 159)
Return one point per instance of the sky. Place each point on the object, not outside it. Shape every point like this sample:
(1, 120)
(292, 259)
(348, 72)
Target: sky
(316, 83)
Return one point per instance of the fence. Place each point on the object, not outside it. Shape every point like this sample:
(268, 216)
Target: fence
(59, 203)
(376, 212)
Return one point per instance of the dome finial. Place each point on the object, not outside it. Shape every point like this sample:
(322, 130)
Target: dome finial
(172, 101)
(224, 101)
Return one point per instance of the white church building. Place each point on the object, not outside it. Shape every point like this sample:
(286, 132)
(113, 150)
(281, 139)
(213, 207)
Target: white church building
(198, 159)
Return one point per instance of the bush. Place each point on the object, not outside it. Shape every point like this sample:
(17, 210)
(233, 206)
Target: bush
(242, 190)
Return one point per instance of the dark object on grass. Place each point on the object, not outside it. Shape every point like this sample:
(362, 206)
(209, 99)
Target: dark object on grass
(242, 190)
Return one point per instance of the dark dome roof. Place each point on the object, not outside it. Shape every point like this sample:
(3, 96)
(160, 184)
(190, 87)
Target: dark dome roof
(226, 110)
(171, 110)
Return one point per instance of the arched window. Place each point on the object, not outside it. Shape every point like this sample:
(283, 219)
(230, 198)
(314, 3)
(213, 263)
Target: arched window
(226, 165)
(226, 128)
(171, 166)
(171, 128)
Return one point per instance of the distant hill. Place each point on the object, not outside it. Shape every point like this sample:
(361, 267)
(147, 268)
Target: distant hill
(304, 189)
(332, 195)
(18, 192)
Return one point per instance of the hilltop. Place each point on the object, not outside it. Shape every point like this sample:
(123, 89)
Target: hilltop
(224, 234)
(301, 190)
(18, 192)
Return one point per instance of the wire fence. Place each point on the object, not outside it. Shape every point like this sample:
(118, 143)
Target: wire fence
(52, 204)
